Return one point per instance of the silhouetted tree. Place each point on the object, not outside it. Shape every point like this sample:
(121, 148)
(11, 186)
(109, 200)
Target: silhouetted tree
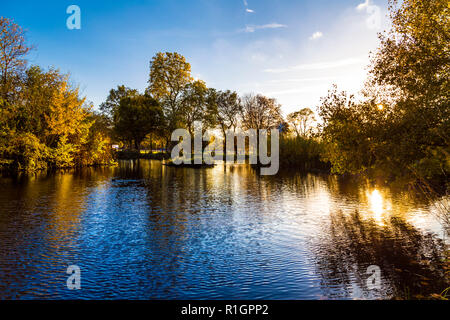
(302, 122)
(137, 117)
(228, 111)
(111, 105)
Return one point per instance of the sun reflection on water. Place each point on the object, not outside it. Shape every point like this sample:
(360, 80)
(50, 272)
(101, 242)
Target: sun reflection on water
(376, 203)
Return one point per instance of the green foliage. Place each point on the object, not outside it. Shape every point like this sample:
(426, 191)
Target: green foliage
(137, 117)
(97, 150)
(183, 100)
(302, 153)
(110, 106)
(347, 132)
(402, 126)
(193, 104)
(170, 74)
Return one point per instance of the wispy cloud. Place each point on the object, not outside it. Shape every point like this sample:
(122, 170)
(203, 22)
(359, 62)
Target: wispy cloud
(373, 12)
(316, 35)
(253, 28)
(296, 90)
(298, 80)
(360, 6)
(247, 9)
(320, 65)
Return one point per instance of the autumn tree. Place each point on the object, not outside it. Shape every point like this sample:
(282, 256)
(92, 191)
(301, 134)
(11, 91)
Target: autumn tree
(13, 51)
(260, 113)
(349, 131)
(302, 122)
(97, 149)
(170, 74)
(111, 105)
(228, 111)
(44, 123)
(137, 117)
(412, 68)
(210, 117)
(51, 124)
(401, 128)
(194, 98)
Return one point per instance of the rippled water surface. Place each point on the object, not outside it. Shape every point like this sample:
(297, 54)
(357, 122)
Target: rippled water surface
(146, 231)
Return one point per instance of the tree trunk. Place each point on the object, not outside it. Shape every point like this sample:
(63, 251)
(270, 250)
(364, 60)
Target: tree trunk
(257, 147)
(224, 144)
(137, 145)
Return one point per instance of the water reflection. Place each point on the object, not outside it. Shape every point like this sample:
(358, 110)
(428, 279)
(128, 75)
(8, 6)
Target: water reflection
(413, 264)
(147, 231)
(376, 204)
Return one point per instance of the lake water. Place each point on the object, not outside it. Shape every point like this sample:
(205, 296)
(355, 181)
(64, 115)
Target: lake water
(147, 231)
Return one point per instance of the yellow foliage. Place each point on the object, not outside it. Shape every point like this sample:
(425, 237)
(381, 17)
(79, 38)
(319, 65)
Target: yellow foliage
(50, 126)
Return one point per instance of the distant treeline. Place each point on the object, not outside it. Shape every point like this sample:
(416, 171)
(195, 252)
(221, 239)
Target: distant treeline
(398, 129)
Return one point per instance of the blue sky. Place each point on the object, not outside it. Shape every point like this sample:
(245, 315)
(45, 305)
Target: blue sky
(292, 50)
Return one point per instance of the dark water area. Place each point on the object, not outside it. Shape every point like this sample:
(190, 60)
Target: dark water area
(146, 231)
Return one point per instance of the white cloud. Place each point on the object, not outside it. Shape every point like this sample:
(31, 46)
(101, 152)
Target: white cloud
(320, 88)
(373, 12)
(247, 9)
(364, 5)
(316, 35)
(296, 80)
(321, 65)
(253, 28)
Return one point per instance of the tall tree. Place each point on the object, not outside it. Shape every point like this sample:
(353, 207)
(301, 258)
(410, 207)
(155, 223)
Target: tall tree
(210, 116)
(13, 49)
(228, 111)
(43, 120)
(412, 69)
(137, 117)
(349, 132)
(50, 124)
(260, 113)
(170, 74)
(111, 105)
(402, 127)
(302, 122)
(194, 98)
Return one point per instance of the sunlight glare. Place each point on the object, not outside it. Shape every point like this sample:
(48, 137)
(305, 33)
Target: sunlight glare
(376, 203)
